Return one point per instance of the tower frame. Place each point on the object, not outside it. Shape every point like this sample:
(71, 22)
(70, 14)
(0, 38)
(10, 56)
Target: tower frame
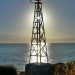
(38, 49)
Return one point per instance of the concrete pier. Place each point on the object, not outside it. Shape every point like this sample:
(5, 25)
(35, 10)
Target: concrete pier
(38, 69)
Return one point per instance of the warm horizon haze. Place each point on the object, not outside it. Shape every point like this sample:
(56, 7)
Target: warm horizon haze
(16, 21)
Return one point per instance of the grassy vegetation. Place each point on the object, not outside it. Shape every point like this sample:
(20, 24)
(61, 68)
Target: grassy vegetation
(64, 68)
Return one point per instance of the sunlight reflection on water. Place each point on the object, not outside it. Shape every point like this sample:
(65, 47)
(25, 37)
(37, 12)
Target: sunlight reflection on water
(18, 54)
(38, 53)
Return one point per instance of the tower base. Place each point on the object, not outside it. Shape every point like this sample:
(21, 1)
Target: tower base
(38, 69)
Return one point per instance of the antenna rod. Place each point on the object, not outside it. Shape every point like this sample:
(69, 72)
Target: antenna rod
(32, 2)
(36, 1)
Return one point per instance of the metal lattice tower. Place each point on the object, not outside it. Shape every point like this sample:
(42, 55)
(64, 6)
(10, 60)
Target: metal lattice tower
(38, 50)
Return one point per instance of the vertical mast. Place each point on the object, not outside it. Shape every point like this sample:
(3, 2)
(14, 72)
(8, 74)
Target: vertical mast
(38, 50)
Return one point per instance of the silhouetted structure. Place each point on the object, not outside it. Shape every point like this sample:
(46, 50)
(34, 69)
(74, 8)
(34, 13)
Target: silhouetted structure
(38, 62)
(38, 69)
(38, 51)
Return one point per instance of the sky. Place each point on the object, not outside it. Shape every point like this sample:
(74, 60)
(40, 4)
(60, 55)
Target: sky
(16, 21)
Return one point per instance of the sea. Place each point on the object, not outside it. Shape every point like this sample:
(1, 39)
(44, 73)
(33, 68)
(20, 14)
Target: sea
(17, 54)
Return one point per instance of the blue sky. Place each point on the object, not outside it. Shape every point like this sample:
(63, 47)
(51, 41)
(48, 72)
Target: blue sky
(16, 20)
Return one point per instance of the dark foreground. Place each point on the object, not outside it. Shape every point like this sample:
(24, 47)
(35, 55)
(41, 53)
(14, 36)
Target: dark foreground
(57, 69)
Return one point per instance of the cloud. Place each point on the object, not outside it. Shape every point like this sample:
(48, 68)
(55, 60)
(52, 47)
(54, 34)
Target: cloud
(61, 40)
(6, 38)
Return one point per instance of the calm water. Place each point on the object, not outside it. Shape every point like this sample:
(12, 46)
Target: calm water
(18, 54)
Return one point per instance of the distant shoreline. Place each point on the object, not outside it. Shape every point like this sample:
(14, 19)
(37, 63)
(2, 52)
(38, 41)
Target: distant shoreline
(30, 43)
